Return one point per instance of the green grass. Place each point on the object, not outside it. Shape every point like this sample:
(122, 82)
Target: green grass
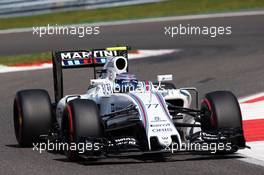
(166, 8)
(29, 58)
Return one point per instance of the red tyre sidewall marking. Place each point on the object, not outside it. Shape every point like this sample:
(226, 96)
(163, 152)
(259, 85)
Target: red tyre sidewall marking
(212, 117)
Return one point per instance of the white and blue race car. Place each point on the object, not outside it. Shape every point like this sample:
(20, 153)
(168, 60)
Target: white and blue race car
(120, 114)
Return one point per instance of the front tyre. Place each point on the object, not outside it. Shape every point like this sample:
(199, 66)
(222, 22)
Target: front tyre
(222, 112)
(32, 114)
(81, 120)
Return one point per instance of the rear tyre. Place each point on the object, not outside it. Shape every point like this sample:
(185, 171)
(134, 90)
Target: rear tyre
(32, 113)
(81, 120)
(222, 111)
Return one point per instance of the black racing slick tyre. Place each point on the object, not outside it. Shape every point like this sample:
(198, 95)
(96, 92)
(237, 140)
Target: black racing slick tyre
(81, 120)
(222, 112)
(32, 112)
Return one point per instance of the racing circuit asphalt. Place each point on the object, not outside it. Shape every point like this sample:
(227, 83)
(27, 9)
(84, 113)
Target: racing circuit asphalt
(229, 62)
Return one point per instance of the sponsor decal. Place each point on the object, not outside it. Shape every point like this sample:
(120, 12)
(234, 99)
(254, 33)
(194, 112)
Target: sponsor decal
(104, 53)
(160, 125)
(162, 130)
(87, 54)
(123, 141)
(75, 55)
(157, 119)
(164, 138)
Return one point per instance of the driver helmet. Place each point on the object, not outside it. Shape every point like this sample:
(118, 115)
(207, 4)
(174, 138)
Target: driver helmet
(125, 82)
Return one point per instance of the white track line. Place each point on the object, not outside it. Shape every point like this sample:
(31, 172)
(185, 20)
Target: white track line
(254, 110)
(151, 53)
(7, 69)
(250, 97)
(147, 20)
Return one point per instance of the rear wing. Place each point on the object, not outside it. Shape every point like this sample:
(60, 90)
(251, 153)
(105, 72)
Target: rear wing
(81, 59)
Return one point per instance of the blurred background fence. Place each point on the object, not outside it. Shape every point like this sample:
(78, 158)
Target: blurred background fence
(9, 8)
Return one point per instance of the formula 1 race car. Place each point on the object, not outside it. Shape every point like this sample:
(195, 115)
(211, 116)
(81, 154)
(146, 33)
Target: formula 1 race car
(119, 114)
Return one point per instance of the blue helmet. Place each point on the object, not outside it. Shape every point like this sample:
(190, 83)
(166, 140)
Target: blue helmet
(125, 82)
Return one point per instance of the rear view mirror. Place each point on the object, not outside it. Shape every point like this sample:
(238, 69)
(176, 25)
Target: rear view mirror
(162, 78)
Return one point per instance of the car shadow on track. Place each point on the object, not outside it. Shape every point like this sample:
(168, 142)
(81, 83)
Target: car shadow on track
(140, 160)
(13, 146)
